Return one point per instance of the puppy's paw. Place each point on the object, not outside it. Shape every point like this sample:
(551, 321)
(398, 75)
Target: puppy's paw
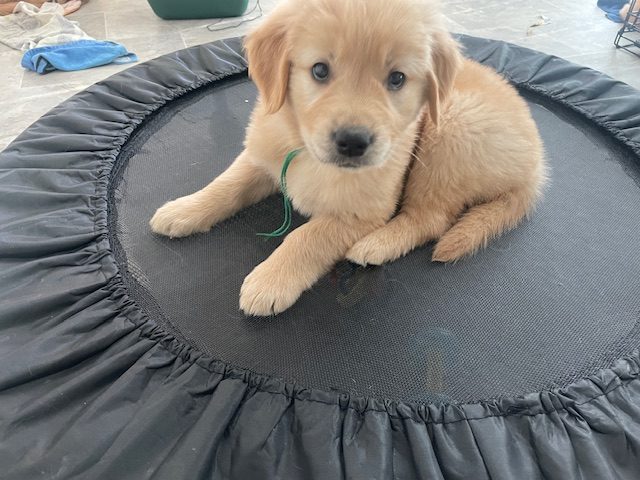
(180, 218)
(266, 291)
(452, 247)
(370, 250)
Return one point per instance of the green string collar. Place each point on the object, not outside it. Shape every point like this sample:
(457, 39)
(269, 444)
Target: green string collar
(286, 225)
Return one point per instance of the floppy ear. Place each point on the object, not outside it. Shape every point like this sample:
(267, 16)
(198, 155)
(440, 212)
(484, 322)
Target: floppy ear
(446, 60)
(268, 55)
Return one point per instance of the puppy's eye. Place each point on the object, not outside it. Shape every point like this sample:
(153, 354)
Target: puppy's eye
(396, 80)
(320, 71)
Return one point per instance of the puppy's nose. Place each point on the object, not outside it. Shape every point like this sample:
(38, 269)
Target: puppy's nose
(352, 141)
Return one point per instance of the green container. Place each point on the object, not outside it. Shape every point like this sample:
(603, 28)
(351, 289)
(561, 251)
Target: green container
(190, 9)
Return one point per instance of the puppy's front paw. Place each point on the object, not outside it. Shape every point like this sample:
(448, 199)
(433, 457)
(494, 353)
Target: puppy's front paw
(369, 251)
(180, 218)
(266, 291)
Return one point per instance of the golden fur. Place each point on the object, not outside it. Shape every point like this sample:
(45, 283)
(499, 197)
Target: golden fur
(464, 137)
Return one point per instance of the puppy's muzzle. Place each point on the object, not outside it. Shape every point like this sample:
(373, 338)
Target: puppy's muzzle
(352, 142)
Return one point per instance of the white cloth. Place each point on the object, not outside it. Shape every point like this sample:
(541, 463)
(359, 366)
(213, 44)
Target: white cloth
(29, 27)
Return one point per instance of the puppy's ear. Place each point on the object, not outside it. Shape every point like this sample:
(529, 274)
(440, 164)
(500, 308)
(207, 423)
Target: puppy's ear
(446, 60)
(267, 50)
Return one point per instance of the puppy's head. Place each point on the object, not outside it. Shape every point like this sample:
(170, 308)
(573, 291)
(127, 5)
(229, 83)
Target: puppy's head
(355, 73)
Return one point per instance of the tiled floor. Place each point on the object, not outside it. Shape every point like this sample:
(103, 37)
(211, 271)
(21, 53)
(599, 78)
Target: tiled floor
(576, 31)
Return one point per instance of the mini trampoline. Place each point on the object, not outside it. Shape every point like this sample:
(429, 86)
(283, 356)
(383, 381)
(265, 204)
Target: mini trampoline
(124, 354)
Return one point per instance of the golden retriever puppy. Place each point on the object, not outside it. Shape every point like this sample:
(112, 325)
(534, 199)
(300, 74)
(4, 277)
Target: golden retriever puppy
(390, 118)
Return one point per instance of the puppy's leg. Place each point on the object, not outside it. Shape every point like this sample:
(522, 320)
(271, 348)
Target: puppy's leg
(306, 254)
(403, 233)
(483, 222)
(241, 185)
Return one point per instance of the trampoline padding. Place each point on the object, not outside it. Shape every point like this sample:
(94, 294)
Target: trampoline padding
(549, 303)
(125, 356)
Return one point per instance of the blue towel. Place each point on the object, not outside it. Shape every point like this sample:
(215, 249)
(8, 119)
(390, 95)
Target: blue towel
(77, 55)
(612, 8)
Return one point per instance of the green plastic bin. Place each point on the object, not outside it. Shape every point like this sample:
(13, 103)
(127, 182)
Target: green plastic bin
(190, 9)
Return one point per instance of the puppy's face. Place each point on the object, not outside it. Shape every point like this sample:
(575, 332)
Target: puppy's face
(356, 73)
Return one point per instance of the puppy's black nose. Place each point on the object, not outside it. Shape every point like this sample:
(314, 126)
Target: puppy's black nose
(352, 141)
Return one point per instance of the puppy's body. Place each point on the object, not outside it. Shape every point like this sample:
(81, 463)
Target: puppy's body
(476, 174)
(464, 136)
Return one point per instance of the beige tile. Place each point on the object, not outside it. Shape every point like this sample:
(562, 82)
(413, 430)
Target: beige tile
(92, 23)
(5, 49)
(135, 20)
(151, 46)
(11, 70)
(95, 6)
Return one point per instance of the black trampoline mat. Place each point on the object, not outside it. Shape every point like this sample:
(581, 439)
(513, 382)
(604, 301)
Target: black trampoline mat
(554, 300)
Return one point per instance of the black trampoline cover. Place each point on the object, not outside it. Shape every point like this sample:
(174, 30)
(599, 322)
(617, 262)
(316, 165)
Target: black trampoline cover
(124, 354)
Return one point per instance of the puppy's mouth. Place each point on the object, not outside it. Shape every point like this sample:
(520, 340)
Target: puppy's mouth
(349, 162)
(341, 161)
